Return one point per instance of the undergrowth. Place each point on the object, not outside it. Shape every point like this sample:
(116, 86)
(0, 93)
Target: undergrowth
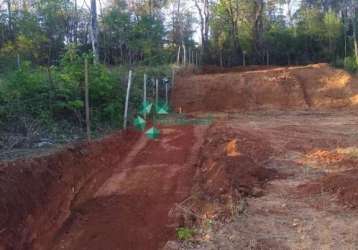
(47, 103)
(184, 233)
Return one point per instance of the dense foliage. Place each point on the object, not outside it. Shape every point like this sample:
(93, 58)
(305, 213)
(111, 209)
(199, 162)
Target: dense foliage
(152, 31)
(283, 32)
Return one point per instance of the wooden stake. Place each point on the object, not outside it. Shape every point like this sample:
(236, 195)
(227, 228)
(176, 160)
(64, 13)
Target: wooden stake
(178, 56)
(145, 93)
(244, 58)
(156, 92)
(189, 56)
(184, 54)
(88, 121)
(166, 93)
(173, 77)
(18, 62)
(127, 100)
(196, 58)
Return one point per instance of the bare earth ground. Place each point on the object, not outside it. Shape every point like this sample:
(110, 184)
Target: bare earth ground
(284, 217)
(277, 169)
(129, 210)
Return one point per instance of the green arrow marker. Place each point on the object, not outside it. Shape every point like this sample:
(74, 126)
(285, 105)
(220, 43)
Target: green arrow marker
(139, 123)
(162, 109)
(152, 133)
(146, 108)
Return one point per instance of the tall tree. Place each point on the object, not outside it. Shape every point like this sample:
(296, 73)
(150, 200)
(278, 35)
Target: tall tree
(354, 7)
(204, 15)
(258, 29)
(94, 31)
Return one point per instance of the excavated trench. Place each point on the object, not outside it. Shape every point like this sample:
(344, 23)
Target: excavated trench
(128, 192)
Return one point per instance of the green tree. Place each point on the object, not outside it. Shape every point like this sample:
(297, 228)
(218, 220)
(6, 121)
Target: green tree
(333, 30)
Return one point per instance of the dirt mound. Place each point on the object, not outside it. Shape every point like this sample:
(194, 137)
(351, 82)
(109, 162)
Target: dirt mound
(36, 195)
(342, 178)
(343, 185)
(313, 86)
(231, 167)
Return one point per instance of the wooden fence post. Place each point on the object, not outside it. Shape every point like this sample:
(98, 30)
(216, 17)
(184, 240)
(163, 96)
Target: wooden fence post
(166, 93)
(173, 77)
(18, 61)
(189, 56)
(145, 93)
(196, 59)
(178, 56)
(127, 99)
(244, 58)
(184, 53)
(156, 92)
(88, 121)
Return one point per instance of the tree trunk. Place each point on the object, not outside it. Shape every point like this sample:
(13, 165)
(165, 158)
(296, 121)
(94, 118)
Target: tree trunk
(75, 32)
(178, 55)
(94, 31)
(150, 7)
(289, 12)
(184, 54)
(87, 107)
(204, 16)
(355, 32)
(11, 30)
(258, 28)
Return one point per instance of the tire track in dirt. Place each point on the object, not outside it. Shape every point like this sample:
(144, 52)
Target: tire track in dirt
(130, 210)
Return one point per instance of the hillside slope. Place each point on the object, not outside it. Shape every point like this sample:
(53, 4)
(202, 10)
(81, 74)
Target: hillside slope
(316, 86)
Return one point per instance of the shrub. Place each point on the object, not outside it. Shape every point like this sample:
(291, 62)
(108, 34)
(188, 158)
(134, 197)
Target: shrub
(184, 233)
(350, 64)
(53, 97)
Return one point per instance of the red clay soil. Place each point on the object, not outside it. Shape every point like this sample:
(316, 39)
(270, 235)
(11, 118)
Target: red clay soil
(342, 181)
(130, 210)
(118, 192)
(36, 195)
(341, 178)
(343, 185)
(221, 170)
(313, 86)
(231, 166)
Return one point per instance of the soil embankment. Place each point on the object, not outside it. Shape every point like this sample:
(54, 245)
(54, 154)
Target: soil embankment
(38, 194)
(316, 86)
